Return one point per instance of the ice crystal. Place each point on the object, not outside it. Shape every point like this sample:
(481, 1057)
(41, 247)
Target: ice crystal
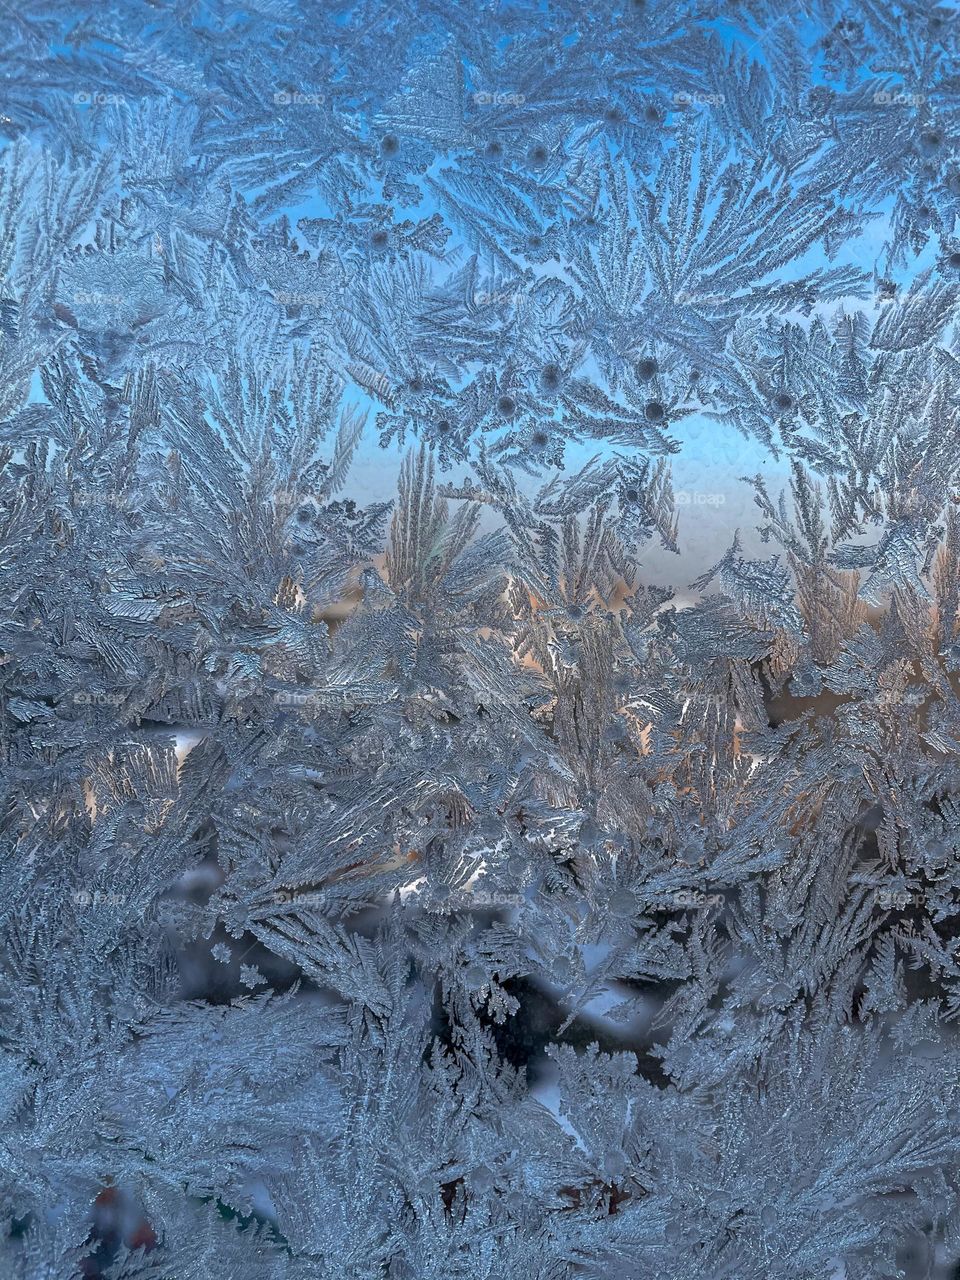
(419, 863)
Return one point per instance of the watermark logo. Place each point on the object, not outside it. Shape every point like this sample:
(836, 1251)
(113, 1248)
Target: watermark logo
(895, 899)
(694, 900)
(883, 98)
(505, 298)
(302, 897)
(483, 99)
(84, 898)
(87, 699)
(688, 299)
(696, 498)
(83, 99)
(286, 299)
(84, 498)
(467, 899)
(309, 702)
(88, 298)
(683, 99)
(293, 98)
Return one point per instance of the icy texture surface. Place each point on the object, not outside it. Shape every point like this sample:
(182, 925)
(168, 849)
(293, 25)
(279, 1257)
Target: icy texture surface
(399, 880)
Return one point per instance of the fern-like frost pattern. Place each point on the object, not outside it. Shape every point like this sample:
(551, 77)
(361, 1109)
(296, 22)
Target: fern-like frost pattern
(439, 841)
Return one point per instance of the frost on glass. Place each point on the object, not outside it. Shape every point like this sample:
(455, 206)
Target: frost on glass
(441, 838)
